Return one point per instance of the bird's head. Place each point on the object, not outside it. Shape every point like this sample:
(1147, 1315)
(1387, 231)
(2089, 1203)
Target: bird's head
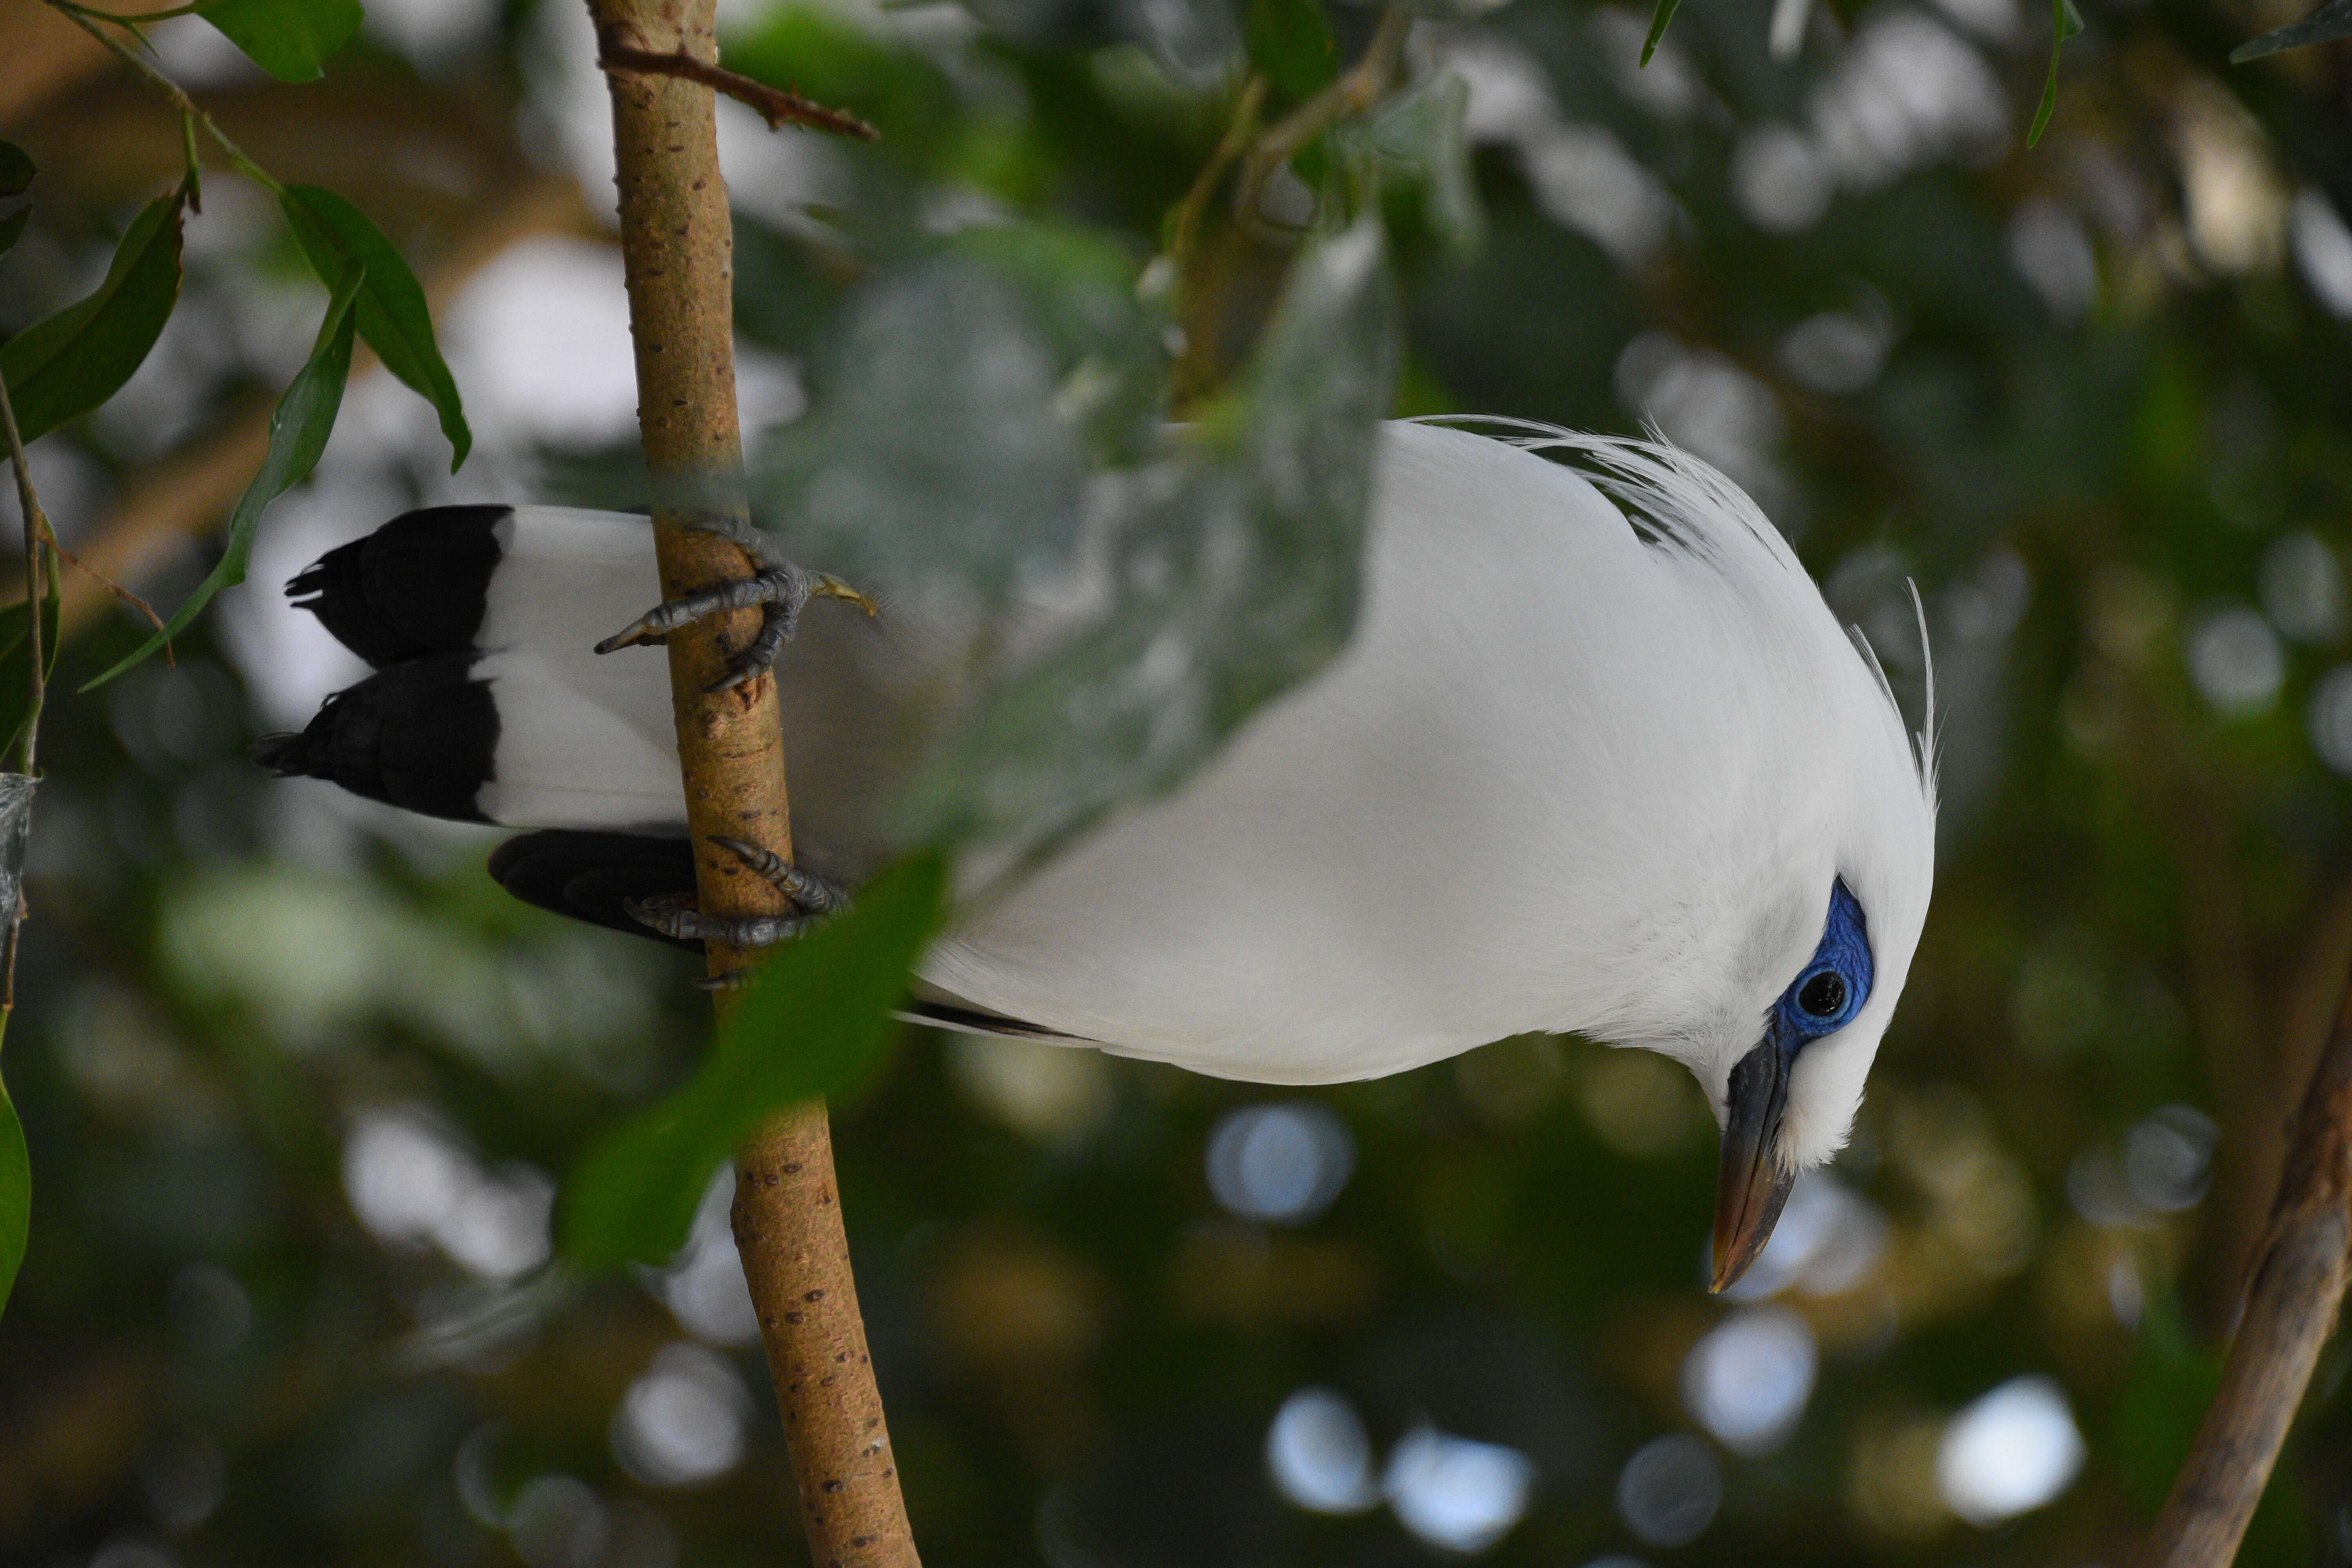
(1832, 961)
(1773, 968)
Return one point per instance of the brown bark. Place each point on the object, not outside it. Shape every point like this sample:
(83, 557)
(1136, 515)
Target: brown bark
(2295, 1287)
(678, 245)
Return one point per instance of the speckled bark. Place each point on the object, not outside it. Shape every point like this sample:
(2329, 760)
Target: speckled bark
(677, 244)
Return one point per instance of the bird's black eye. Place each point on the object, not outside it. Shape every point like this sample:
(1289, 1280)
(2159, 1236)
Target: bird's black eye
(1823, 995)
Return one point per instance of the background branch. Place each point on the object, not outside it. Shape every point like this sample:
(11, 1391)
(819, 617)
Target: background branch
(2295, 1287)
(676, 239)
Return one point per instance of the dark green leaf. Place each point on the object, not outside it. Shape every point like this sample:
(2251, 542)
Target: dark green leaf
(15, 1168)
(63, 366)
(1290, 41)
(937, 444)
(16, 1195)
(1109, 349)
(1233, 572)
(17, 662)
(2330, 22)
(16, 170)
(1658, 20)
(298, 428)
(1419, 134)
(392, 316)
(814, 1021)
(2065, 22)
(291, 39)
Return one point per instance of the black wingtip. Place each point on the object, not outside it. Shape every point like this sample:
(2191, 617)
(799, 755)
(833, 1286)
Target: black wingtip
(595, 877)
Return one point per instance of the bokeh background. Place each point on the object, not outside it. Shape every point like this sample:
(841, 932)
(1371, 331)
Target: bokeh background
(300, 1083)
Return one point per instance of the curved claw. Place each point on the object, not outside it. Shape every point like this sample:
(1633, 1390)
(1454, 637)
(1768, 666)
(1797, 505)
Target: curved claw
(781, 589)
(776, 626)
(785, 585)
(828, 586)
(812, 894)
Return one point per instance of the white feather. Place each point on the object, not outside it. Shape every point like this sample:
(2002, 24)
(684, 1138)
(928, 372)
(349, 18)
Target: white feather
(1590, 762)
(1560, 779)
(585, 740)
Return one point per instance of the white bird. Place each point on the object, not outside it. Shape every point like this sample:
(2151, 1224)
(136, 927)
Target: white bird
(1597, 759)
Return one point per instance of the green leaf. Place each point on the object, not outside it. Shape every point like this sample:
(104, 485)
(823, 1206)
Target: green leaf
(298, 428)
(2330, 22)
(1290, 41)
(15, 1168)
(937, 444)
(1419, 134)
(2065, 22)
(63, 366)
(392, 316)
(815, 1020)
(16, 1195)
(1108, 348)
(291, 39)
(1235, 573)
(17, 661)
(1658, 20)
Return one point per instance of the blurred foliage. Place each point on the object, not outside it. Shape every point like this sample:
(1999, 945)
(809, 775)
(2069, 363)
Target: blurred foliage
(294, 1076)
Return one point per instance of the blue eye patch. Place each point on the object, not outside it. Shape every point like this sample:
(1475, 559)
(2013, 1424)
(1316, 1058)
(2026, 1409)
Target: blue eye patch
(1835, 982)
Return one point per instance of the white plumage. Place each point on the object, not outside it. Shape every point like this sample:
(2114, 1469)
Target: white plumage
(1560, 779)
(1573, 773)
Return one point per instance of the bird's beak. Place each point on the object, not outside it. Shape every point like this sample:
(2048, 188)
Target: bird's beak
(1753, 1181)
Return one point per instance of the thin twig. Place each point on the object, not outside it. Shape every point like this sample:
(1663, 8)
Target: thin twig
(36, 531)
(2293, 1291)
(130, 601)
(1350, 94)
(168, 88)
(778, 106)
(1184, 231)
(37, 525)
(136, 19)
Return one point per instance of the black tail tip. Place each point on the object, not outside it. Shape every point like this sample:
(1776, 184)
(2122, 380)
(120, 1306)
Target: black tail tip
(282, 753)
(309, 583)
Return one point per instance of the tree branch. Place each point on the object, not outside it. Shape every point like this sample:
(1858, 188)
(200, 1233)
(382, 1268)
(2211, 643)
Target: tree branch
(677, 244)
(778, 106)
(2295, 1287)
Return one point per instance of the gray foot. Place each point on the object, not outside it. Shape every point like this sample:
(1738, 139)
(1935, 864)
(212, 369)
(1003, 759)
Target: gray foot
(674, 915)
(814, 896)
(780, 588)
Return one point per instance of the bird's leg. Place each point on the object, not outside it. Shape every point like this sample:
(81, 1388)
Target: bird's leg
(814, 896)
(779, 587)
